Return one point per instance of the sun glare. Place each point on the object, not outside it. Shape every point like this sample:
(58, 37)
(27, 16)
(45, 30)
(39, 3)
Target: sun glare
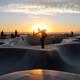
(40, 26)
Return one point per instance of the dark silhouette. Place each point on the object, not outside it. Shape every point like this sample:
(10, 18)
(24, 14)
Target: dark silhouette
(12, 35)
(22, 38)
(72, 34)
(33, 33)
(43, 36)
(2, 33)
(16, 33)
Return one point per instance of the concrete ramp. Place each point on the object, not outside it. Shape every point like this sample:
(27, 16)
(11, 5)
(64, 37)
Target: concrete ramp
(65, 57)
(16, 59)
(18, 41)
(70, 53)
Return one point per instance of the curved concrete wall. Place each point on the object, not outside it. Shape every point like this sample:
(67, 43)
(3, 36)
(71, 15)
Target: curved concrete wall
(70, 54)
(17, 59)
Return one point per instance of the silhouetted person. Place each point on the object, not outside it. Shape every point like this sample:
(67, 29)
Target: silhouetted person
(16, 33)
(22, 38)
(43, 36)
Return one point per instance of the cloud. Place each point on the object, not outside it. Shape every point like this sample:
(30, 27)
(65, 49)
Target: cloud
(43, 6)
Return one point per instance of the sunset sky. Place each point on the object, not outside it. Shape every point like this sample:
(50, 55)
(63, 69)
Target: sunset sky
(23, 15)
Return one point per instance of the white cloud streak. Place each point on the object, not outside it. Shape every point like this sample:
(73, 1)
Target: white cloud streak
(46, 8)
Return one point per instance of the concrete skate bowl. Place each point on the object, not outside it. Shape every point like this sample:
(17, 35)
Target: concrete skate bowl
(18, 59)
(1, 43)
(9, 59)
(70, 54)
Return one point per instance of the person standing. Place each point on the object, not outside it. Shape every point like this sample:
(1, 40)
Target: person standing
(43, 36)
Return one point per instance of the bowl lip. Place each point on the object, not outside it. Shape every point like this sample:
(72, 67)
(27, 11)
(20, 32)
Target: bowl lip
(26, 48)
(45, 71)
(70, 43)
(65, 45)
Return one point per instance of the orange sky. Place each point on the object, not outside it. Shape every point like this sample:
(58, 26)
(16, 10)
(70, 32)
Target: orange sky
(30, 27)
(55, 23)
(58, 15)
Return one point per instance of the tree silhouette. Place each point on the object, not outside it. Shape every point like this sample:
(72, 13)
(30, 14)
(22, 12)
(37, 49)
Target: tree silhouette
(2, 33)
(72, 34)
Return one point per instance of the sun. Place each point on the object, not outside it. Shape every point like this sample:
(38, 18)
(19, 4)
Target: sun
(40, 26)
